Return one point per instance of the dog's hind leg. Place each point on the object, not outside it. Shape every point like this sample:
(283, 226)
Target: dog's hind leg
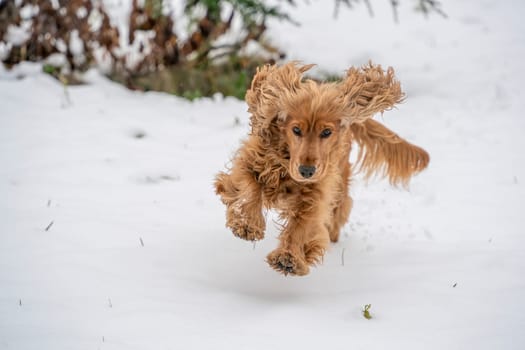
(342, 204)
(340, 217)
(241, 194)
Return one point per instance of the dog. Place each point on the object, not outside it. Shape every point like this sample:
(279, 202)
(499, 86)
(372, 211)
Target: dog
(296, 157)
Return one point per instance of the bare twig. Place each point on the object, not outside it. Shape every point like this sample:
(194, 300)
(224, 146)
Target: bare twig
(110, 304)
(348, 4)
(49, 226)
(394, 4)
(336, 8)
(369, 6)
(425, 6)
(67, 100)
(141, 241)
(343, 257)
(428, 6)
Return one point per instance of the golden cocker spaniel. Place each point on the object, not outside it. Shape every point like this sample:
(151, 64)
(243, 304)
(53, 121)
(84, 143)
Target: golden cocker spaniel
(296, 158)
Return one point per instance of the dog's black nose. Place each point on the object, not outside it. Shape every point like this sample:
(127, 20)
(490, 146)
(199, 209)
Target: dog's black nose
(306, 171)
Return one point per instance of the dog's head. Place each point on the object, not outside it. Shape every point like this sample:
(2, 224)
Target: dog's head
(314, 120)
(310, 122)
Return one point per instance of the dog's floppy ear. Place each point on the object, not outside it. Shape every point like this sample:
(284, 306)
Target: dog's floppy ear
(270, 85)
(367, 91)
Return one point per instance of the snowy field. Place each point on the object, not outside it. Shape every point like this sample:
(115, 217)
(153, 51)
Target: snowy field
(111, 236)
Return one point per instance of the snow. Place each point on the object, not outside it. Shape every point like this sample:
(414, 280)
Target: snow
(137, 255)
(81, 12)
(18, 35)
(95, 20)
(56, 60)
(75, 44)
(28, 11)
(4, 50)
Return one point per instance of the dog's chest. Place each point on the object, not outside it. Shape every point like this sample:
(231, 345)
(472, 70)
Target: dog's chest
(292, 198)
(277, 191)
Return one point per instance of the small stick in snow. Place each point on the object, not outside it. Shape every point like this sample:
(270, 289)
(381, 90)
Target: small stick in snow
(103, 340)
(254, 243)
(49, 226)
(110, 304)
(67, 100)
(141, 241)
(394, 4)
(343, 257)
(454, 285)
(48, 203)
(370, 11)
(20, 302)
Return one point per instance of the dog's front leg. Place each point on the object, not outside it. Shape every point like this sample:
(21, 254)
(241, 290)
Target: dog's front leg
(302, 243)
(289, 257)
(241, 194)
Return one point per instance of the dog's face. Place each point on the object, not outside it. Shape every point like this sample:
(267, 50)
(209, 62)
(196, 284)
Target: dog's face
(311, 128)
(310, 144)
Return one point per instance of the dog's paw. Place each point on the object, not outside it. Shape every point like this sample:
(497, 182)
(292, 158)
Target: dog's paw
(245, 221)
(287, 263)
(246, 232)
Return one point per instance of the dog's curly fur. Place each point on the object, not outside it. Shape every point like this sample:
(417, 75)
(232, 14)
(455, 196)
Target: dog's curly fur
(296, 158)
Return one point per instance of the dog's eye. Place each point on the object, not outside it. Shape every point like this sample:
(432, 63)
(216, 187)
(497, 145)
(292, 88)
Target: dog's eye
(325, 133)
(297, 131)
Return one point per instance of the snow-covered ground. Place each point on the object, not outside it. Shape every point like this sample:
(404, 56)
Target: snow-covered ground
(111, 236)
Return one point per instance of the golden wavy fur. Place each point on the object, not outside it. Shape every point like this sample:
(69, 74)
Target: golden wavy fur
(296, 158)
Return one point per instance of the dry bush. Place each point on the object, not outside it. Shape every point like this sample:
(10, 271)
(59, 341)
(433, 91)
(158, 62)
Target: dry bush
(36, 29)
